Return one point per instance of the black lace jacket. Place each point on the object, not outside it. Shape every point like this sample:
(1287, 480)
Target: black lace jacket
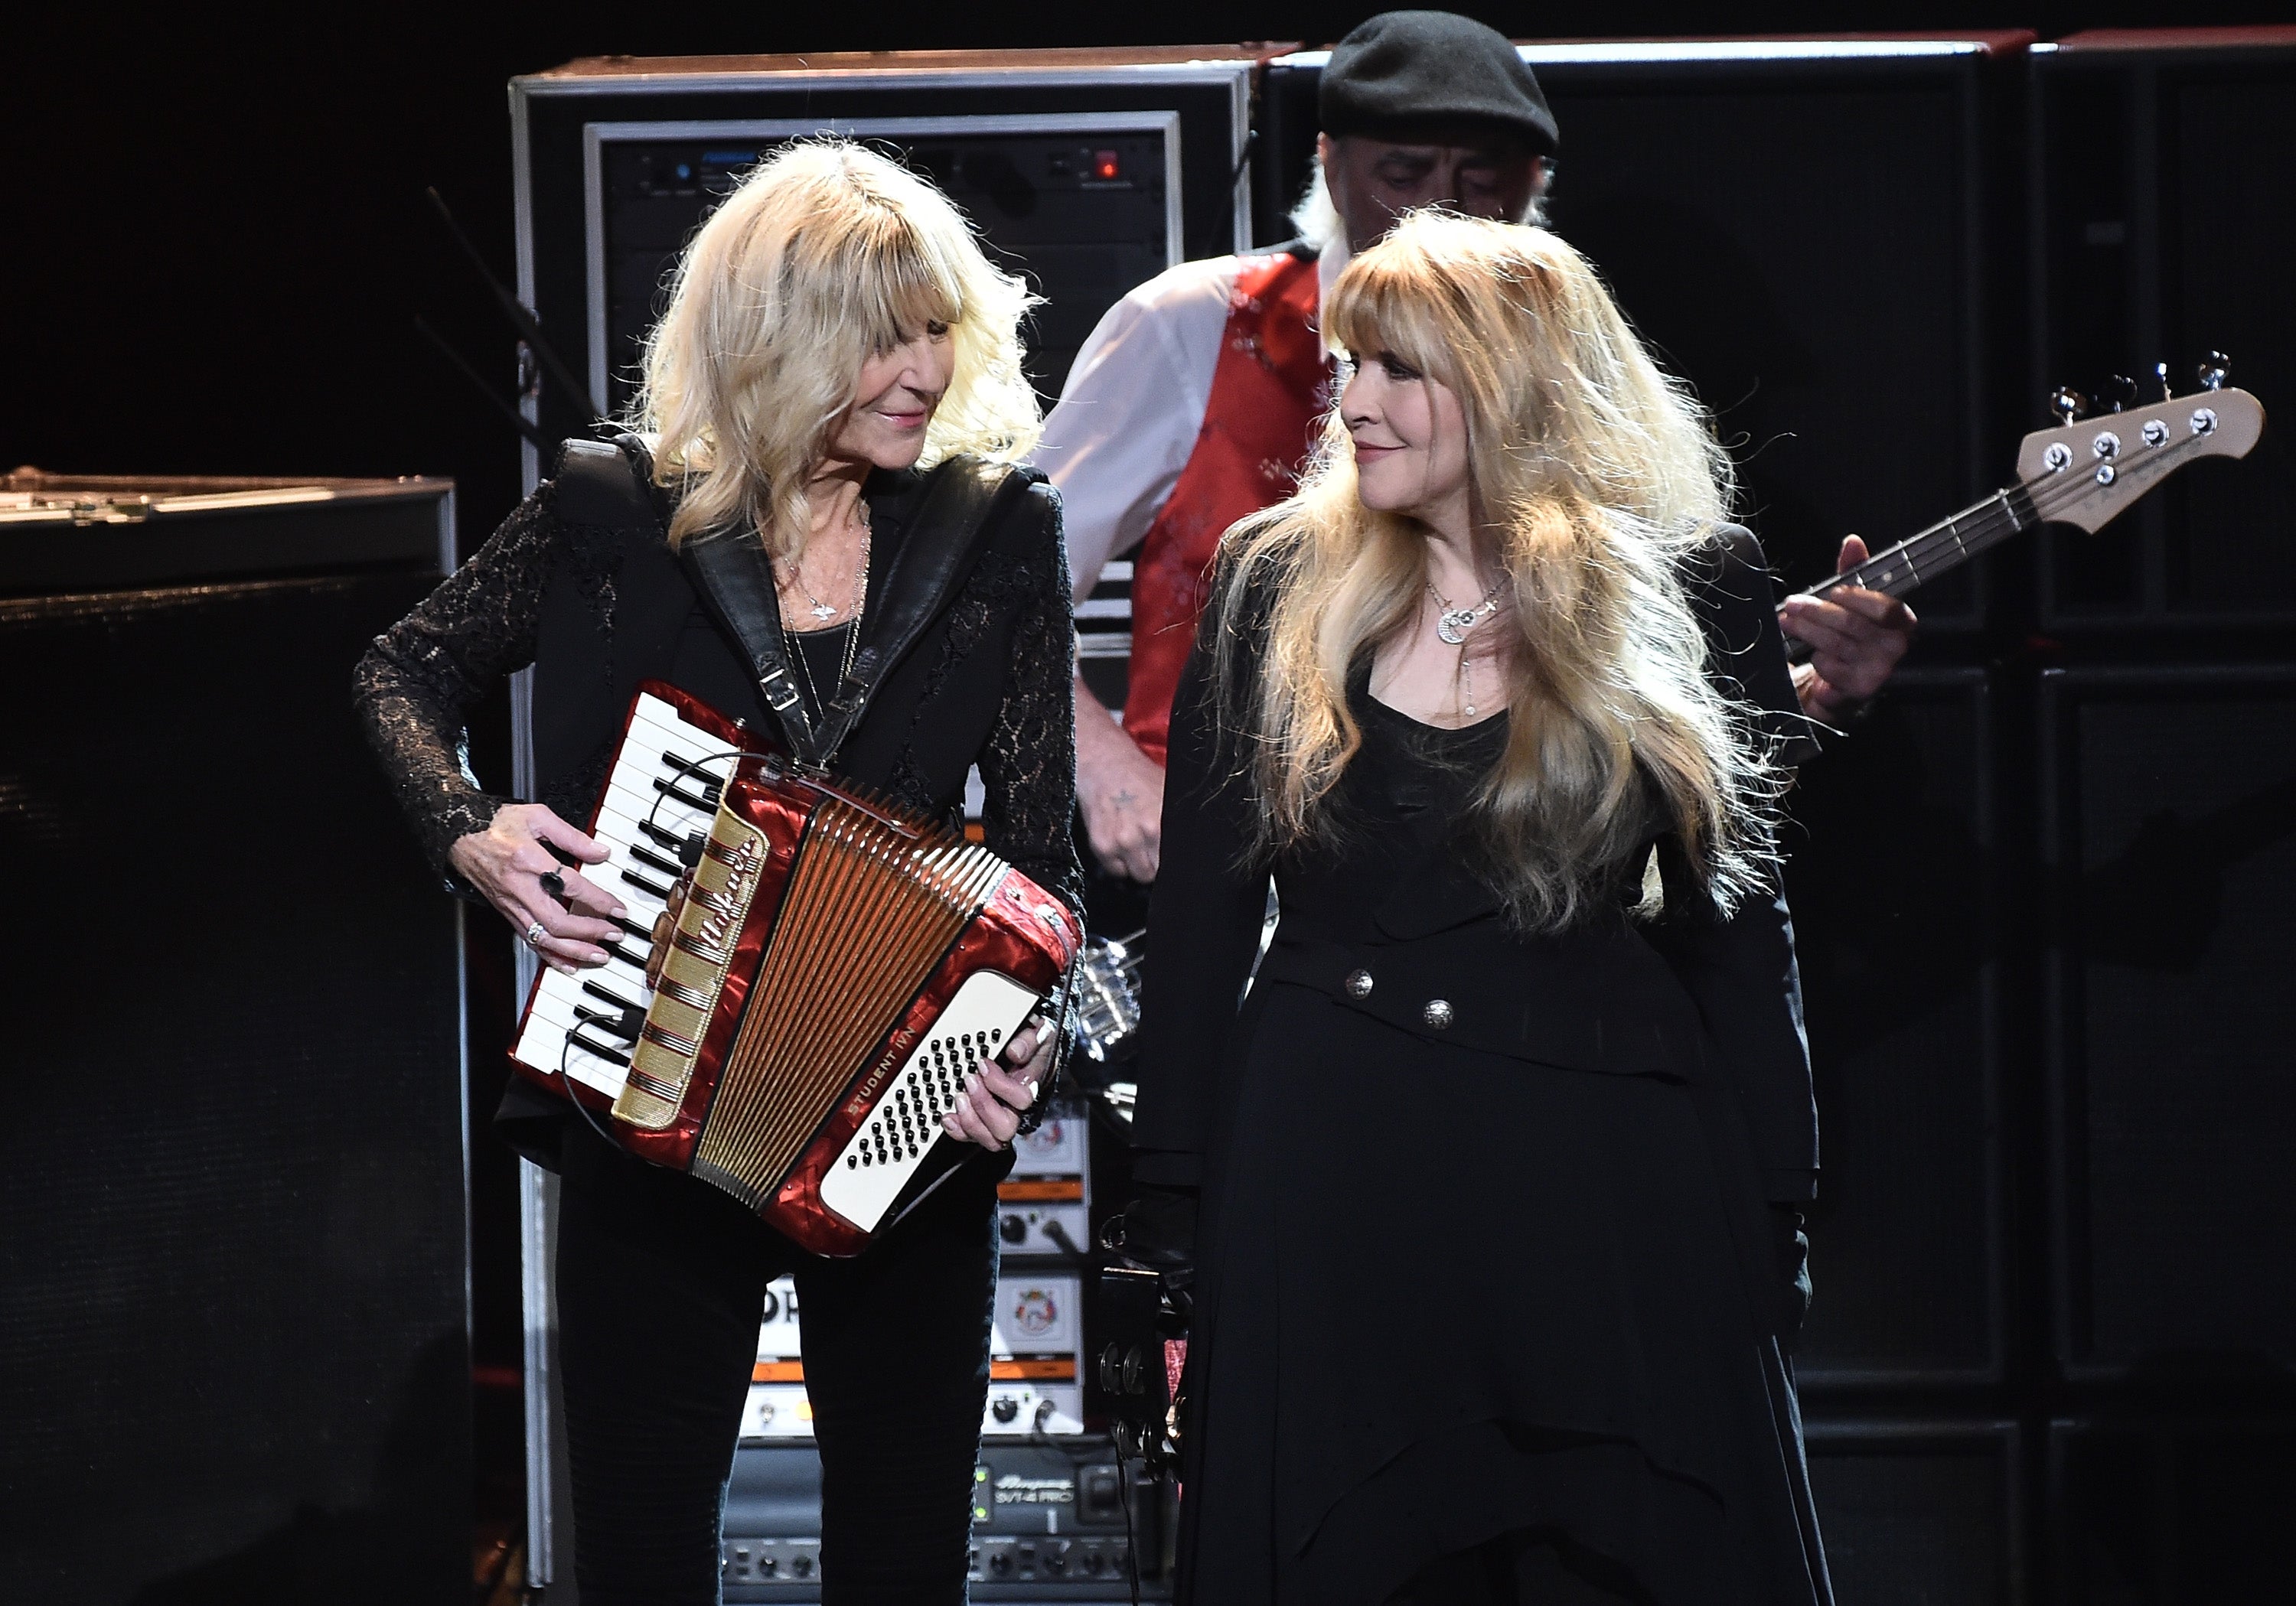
(600, 608)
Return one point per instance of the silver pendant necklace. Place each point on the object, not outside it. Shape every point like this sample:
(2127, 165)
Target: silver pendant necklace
(825, 612)
(1452, 624)
(1451, 627)
(853, 637)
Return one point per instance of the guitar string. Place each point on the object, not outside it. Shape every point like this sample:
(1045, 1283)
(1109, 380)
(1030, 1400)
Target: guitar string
(1988, 523)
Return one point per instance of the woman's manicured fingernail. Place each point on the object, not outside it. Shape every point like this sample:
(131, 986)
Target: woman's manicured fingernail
(594, 960)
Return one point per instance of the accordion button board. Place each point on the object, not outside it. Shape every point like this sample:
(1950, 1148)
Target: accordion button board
(882, 1157)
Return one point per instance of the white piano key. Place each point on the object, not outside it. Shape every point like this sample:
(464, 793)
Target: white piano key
(549, 1049)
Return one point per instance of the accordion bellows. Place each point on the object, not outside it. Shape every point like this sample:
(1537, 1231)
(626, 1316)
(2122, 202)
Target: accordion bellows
(823, 977)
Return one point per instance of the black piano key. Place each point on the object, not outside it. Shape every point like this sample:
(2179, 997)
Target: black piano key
(645, 934)
(622, 1025)
(607, 996)
(644, 885)
(670, 788)
(599, 1049)
(701, 773)
(636, 961)
(647, 856)
(688, 847)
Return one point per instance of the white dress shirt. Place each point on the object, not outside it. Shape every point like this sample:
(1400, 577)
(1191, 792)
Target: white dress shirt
(1135, 403)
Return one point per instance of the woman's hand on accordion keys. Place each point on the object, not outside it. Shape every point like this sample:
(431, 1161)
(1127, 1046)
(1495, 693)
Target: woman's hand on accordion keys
(997, 1095)
(560, 915)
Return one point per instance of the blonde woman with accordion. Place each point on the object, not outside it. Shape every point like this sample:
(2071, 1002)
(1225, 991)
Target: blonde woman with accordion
(1499, 1161)
(839, 362)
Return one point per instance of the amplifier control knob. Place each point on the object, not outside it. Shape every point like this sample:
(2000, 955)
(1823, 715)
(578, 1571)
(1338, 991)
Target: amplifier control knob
(1006, 1408)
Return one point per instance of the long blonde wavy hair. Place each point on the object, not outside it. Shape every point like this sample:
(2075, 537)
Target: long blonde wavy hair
(826, 253)
(1596, 482)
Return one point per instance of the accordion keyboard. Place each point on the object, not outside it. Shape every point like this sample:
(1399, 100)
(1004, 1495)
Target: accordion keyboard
(661, 796)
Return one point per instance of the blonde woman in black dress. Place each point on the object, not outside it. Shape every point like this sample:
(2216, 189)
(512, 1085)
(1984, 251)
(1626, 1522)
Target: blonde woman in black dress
(1499, 1160)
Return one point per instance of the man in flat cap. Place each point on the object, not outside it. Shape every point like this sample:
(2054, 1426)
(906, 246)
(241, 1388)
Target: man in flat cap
(1193, 403)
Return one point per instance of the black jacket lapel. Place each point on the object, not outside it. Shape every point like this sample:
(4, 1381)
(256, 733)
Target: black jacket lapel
(941, 541)
(937, 553)
(734, 580)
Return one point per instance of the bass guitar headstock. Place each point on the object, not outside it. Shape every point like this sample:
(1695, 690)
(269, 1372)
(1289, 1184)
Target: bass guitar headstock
(2087, 470)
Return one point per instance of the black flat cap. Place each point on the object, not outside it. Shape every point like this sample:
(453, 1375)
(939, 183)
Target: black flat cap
(1406, 70)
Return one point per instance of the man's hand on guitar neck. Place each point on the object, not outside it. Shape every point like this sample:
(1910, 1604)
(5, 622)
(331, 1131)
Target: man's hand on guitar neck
(1120, 791)
(1855, 638)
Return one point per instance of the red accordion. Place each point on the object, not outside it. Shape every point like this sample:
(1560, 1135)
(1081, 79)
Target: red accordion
(812, 974)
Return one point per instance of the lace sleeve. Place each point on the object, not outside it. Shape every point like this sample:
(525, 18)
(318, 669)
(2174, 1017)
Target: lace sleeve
(1028, 766)
(417, 682)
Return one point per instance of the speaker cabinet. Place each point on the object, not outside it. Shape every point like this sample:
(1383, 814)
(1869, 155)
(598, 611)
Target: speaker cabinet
(233, 1336)
(2172, 1511)
(1919, 1514)
(2163, 229)
(1892, 881)
(2170, 820)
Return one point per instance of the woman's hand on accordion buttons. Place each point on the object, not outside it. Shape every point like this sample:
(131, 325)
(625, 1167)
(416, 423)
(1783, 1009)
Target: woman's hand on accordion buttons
(995, 1096)
(562, 916)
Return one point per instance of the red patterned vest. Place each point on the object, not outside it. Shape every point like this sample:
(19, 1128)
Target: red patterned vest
(1267, 394)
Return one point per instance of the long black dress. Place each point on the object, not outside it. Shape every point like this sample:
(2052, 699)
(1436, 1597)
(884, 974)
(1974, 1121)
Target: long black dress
(1462, 1288)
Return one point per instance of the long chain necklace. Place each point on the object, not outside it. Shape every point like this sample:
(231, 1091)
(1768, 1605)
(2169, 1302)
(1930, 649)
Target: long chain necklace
(828, 610)
(852, 625)
(1451, 627)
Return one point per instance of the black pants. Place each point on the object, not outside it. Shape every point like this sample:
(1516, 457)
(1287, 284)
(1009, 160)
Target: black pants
(661, 1280)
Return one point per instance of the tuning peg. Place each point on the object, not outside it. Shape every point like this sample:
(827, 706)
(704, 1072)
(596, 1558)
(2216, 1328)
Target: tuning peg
(2160, 378)
(2214, 367)
(2068, 404)
(2122, 389)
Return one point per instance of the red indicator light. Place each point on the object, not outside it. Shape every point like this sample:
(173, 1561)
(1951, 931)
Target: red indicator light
(1104, 166)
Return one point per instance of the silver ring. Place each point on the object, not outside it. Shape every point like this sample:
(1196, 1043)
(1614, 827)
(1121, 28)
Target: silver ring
(535, 933)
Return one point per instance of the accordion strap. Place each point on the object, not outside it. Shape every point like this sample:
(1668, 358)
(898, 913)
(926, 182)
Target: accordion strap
(730, 570)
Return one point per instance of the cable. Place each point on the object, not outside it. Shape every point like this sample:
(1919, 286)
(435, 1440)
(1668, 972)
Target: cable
(1124, 1498)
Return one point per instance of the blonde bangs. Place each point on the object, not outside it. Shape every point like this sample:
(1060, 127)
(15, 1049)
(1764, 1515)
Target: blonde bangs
(1382, 310)
(826, 254)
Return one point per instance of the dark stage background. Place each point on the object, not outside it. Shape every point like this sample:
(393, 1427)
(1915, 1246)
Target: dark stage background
(2043, 893)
